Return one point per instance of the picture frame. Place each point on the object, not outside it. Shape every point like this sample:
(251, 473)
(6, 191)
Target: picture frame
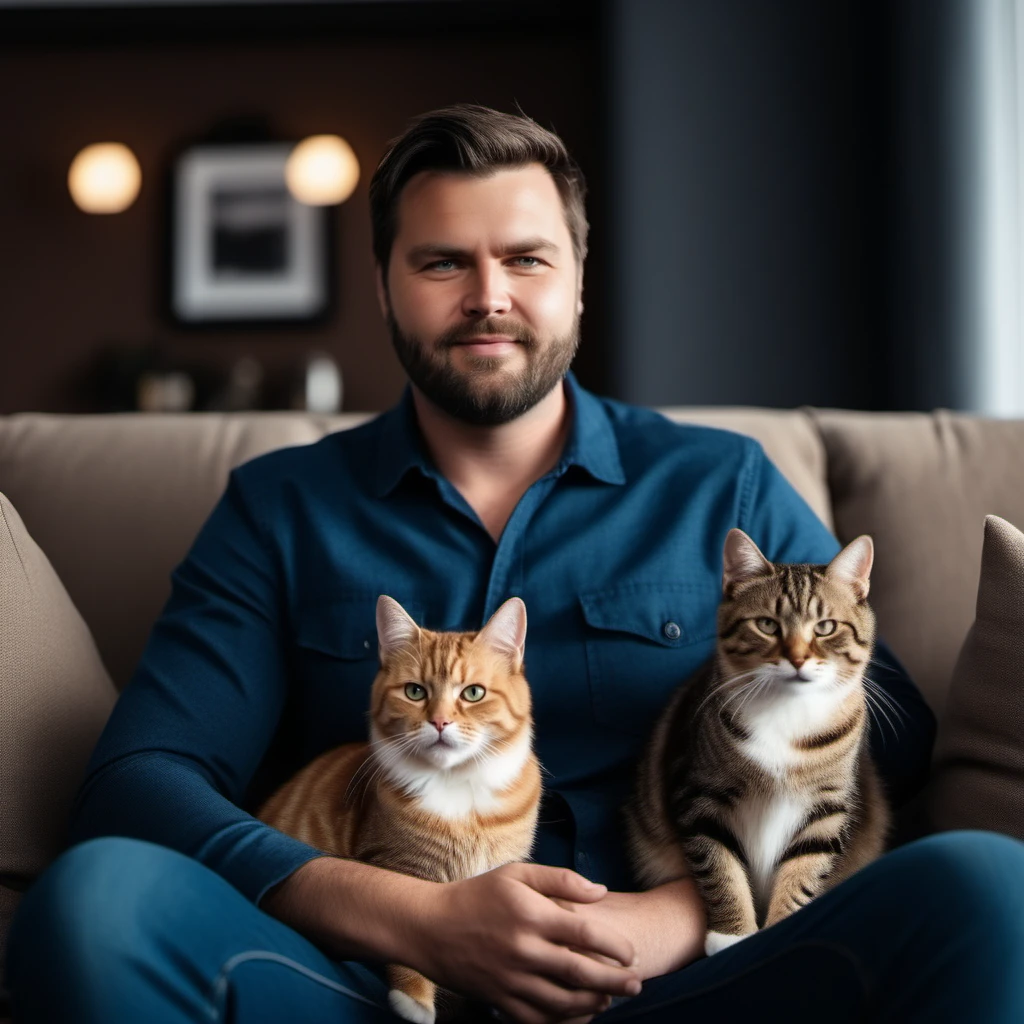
(244, 251)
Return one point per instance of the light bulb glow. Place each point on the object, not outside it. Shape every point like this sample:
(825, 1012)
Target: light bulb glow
(322, 170)
(104, 178)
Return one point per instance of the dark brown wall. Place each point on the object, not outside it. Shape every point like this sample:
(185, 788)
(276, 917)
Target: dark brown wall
(71, 283)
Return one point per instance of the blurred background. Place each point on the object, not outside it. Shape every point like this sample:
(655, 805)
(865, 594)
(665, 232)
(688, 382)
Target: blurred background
(791, 202)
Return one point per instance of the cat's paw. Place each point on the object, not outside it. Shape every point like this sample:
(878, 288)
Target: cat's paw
(408, 1009)
(717, 941)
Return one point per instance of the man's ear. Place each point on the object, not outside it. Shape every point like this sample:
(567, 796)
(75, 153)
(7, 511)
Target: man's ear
(382, 292)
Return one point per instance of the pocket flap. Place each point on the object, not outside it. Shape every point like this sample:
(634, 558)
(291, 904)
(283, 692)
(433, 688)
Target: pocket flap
(669, 614)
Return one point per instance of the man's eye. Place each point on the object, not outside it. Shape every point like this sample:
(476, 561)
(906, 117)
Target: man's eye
(533, 261)
(441, 265)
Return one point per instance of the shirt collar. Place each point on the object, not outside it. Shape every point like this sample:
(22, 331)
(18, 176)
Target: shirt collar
(591, 444)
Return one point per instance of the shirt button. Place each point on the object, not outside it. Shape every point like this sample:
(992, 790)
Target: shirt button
(671, 630)
(366, 644)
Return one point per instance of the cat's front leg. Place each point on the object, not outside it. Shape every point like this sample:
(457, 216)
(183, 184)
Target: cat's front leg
(802, 874)
(411, 995)
(720, 873)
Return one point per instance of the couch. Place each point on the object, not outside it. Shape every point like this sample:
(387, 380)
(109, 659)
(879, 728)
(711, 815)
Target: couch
(95, 511)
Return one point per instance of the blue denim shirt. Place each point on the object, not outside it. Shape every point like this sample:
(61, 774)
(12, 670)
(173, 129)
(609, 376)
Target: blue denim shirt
(266, 651)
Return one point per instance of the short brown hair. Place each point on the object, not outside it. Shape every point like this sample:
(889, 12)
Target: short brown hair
(472, 139)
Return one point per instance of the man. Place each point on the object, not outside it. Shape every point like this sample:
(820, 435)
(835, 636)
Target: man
(496, 475)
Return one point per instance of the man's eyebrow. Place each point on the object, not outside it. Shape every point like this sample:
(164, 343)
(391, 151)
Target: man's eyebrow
(438, 250)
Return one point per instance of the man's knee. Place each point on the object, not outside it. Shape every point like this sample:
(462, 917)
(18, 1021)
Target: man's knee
(972, 879)
(96, 898)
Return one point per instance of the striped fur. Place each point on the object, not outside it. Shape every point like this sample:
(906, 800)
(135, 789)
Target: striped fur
(446, 788)
(758, 781)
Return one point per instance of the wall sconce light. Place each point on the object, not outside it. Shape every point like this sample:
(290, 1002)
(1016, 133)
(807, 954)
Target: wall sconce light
(104, 178)
(322, 170)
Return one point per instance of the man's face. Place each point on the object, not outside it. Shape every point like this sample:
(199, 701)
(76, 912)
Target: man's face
(483, 291)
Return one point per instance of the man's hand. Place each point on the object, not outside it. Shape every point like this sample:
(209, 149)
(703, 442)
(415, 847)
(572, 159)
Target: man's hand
(666, 925)
(500, 938)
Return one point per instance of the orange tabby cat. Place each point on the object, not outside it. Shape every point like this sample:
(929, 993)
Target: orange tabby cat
(448, 786)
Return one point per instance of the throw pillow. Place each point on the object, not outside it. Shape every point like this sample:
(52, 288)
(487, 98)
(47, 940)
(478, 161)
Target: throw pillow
(978, 780)
(55, 697)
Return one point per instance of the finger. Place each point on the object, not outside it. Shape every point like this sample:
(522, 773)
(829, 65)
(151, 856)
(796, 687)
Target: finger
(518, 1012)
(555, 1002)
(515, 1011)
(562, 883)
(571, 930)
(576, 971)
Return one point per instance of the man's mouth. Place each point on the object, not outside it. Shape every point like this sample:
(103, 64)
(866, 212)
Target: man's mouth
(488, 345)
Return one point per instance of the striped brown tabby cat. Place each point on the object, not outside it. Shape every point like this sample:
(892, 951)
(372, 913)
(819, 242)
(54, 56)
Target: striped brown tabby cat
(448, 786)
(758, 780)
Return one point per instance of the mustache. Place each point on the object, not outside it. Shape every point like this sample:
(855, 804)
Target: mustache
(519, 332)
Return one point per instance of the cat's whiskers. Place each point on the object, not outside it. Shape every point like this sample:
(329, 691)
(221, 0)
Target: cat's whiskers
(749, 689)
(878, 701)
(727, 684)
(384, 754)
(761, 683)
(879, 691)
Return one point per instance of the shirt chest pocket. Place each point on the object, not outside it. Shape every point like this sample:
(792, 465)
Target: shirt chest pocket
(335, 665)
(643, 640)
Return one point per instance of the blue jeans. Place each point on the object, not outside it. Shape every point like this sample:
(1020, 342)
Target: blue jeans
(123, 931)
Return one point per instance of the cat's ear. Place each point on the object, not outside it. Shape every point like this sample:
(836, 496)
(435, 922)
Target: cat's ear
(395, 627)
(852, 565)
(505, 631)
(741, 561)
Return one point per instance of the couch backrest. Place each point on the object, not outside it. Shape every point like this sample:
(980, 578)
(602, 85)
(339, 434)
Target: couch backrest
(115, 501)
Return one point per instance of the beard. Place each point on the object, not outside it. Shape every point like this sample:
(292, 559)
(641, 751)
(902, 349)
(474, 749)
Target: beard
(485, 394)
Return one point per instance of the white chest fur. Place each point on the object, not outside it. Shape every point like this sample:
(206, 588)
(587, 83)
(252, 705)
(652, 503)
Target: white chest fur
(765, 827)
(766, 824)
(775, 721)
(473, 787)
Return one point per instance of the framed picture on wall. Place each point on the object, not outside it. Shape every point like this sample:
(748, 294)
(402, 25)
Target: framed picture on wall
(243, 250)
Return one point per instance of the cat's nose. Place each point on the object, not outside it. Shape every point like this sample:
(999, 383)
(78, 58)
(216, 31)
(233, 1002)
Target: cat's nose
(439, 724)
(797, 660)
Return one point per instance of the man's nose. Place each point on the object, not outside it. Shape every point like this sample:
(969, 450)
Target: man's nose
(488, 293)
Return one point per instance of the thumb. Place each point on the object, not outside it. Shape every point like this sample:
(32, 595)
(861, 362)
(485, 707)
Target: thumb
(561, 883)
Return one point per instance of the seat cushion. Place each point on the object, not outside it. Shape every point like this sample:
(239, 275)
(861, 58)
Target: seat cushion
(978, 780)
(55, 697)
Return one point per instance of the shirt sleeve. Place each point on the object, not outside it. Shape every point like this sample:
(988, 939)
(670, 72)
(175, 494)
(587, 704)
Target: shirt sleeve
(783, 526)
(189, 730)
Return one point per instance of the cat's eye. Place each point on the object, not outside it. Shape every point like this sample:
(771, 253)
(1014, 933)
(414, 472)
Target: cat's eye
(825, 628)
(769, 626)
(473, 693)
(414, 691)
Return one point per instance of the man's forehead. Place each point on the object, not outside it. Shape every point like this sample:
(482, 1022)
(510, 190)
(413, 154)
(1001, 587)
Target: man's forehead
(519, 203)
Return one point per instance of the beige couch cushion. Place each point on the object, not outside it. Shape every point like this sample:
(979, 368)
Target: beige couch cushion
(921, 484)
(55, 696)
(978, 780)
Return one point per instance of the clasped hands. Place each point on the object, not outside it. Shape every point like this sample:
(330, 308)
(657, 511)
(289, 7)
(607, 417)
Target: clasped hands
(543, 944)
